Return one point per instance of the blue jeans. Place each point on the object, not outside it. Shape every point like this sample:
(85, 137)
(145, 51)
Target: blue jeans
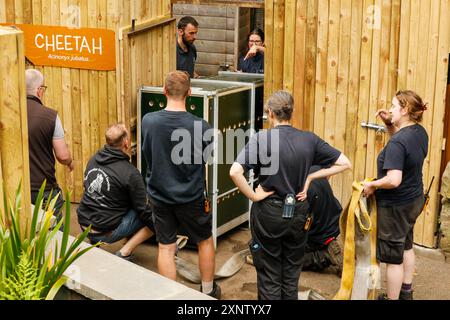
(129, 226)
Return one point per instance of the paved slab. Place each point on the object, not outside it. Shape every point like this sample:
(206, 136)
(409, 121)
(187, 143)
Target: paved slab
(100, 275)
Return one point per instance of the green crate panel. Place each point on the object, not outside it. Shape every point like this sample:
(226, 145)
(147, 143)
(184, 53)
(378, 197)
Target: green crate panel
(231, 207)
(234, 113)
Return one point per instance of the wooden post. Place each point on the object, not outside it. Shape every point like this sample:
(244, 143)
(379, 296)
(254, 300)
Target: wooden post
(13, 120)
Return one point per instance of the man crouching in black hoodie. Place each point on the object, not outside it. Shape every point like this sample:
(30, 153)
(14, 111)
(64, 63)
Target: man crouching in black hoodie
(115, 202)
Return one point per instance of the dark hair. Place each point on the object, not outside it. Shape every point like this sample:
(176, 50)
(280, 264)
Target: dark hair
(281, 103)
(182, 24)
(413, 102)
(258, 32)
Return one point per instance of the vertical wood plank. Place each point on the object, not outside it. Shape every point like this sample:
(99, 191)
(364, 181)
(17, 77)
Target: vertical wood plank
(37, 12)
(18, 11)
(14, 156)
(299, 67)
(268, 54)
(84, 97)
(2, 182)
(429, 238)
(113, 23)
(405, 15)
(383, 98)
(420, 86)
(394, 51)
(364, 92)
(289, 45)
(67, 103)
(343, 89)
(76, 144)
(430, 99)
(353, 95)
(2, 12)
(413, 44)
(159, 56)
(375, 78)
(93, 12)
(310, 76)
(10, 11)
(278, 44)
(331, 79)
(102, 81)
(321, 72)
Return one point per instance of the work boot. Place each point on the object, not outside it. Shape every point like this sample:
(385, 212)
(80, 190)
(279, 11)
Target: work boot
(216, 291)
(383, 296)
(406, 295)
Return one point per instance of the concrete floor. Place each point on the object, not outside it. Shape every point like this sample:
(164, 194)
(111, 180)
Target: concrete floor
(432, 279)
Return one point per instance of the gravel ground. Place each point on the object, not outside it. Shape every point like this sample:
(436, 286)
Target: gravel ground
(432, 279)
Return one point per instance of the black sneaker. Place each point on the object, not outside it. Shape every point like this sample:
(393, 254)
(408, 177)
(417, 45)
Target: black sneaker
(216, 291)
(128, 258)
(406, 295)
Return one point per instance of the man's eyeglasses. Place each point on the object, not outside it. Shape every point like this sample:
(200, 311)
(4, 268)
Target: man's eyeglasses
(43, 88)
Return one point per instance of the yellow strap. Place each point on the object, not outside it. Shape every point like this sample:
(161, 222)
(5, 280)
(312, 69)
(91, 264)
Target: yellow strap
(366, 217)
(347, 225)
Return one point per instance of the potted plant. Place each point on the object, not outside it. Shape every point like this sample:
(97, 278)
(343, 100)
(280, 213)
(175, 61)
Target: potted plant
(32, 261)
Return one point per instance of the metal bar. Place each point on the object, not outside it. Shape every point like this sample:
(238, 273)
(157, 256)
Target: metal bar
(374, 126)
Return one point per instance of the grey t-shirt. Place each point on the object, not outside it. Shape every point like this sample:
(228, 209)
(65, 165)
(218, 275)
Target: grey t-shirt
(59, 131)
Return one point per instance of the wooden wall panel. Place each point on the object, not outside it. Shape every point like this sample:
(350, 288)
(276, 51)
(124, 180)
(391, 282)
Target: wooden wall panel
(353, 58)
(14, 161)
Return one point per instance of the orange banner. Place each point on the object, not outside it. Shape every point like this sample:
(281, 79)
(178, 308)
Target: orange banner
(83, 48)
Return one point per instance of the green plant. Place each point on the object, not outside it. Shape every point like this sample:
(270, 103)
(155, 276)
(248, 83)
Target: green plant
(32, 261)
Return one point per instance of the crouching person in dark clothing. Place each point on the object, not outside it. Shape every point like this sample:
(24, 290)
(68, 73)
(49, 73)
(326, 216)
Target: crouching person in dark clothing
(115, 202)
(279, 215)
(322, 249)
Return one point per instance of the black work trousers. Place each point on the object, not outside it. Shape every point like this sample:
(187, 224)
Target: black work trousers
(277, 247)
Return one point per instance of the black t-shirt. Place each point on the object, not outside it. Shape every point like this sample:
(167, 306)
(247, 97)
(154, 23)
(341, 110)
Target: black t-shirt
(405, 151)
(283, 157)
(252, 65)
(326, 209)
(186, 60)
(173, 146)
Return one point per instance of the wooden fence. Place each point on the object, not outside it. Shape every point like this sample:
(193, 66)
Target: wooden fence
(345, 59)
(89, 101)
(14, 162)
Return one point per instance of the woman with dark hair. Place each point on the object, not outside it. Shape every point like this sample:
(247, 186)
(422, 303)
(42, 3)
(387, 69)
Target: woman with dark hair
(399, 191)
(253, 60)
(283, 157)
